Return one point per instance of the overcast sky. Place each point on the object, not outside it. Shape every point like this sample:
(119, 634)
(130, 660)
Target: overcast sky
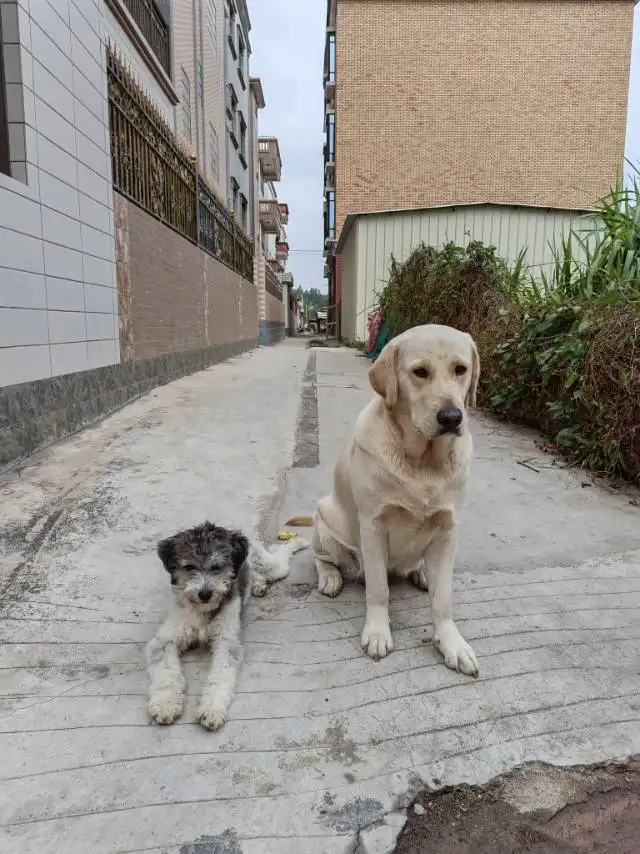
(287, 40)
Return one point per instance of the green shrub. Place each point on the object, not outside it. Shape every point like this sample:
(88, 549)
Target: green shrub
(561, 352)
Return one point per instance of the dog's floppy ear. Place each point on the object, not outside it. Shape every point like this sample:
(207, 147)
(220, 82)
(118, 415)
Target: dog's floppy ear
(383, 375)
(475, 376)
(239, 548)
(167, 554)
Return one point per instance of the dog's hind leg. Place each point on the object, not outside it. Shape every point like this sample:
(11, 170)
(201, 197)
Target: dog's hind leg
(270, 566)
(329, 577)
(326, 554)
(418, 577)
(167, 688)
(226, 658)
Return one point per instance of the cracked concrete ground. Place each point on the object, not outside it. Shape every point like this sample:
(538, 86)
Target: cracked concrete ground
(324, 748)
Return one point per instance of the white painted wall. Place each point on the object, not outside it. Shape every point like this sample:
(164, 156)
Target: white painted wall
(58, 303)
(375, 237)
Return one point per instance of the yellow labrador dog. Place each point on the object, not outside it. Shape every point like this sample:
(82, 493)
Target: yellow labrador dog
(399, 482)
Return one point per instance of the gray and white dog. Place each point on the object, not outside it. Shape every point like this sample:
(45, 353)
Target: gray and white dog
(213, 571)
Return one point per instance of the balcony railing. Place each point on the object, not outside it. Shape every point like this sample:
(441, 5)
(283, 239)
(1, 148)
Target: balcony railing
(270, 216)
(284, 212)
(282, 252)
(154, 29)
(272, 284)
(151, 169)
(269, 155)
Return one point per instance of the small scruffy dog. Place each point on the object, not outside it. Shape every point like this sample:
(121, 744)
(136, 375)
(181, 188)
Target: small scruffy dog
(213, 571)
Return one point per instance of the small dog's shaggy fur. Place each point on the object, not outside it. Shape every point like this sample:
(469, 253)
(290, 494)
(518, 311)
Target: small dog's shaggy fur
(213, 570)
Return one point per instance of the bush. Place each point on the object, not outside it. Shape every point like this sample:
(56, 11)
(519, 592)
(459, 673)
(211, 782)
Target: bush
(561, 353)
(467, 287)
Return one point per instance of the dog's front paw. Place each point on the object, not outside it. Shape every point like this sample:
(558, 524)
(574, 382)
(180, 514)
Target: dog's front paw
(376, 640)
(458, 654)
(210, 716)
(165, 707)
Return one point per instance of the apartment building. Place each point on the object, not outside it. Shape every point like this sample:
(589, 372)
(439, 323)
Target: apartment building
(273, 247)
(129, 180)
(211, 51)
(503, 121)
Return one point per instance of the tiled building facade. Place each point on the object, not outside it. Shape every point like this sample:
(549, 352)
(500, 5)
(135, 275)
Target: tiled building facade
(93, 306)
(58, 305)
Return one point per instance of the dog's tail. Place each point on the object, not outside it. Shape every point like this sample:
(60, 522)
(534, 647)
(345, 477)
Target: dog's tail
(300, 522)
(274, 565)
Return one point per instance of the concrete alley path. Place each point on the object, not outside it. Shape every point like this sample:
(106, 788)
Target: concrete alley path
(324, 747)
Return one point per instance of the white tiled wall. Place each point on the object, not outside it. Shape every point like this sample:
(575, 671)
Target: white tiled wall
(58, 304)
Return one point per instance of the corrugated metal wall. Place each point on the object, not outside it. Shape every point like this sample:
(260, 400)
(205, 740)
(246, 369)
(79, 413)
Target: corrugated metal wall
(375, 237)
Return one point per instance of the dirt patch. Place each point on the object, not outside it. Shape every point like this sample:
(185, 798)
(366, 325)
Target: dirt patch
(537, 809)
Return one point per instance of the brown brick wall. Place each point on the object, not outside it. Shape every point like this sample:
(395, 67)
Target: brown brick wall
(179, 297)
(454, 101)
(274, 308)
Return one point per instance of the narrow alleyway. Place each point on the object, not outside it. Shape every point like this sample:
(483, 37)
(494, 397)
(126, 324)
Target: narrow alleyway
(324, 747)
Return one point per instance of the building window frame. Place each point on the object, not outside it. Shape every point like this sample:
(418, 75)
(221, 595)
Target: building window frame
(244, 211)
(233, 195)
(5, 154)
(200, 81)
(242, 58)
(214, 153)
(331, 137)
(232, 113)
(330, 215)
(330, 59)
(212, 24)
(185, 101)
(231, 29)
(242, 150)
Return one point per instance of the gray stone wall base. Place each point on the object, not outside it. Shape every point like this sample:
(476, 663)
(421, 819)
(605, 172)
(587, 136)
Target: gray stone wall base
(271, 331)
(36, 414)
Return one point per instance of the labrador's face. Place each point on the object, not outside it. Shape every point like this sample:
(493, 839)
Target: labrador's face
(429, 373)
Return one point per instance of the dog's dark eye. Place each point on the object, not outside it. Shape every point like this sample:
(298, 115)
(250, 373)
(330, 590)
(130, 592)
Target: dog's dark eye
(189, 567)
(423, 373)
(461, 369)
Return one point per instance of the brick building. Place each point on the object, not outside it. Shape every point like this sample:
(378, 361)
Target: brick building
(438, 103)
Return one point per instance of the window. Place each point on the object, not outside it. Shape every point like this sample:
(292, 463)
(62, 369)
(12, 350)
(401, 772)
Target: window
(244, 209)
(13, 143)
(232, 113)
(200, 82)
(243, 140)
(212, 24)
(242, 56)
(5, 160)
(331, 137)
(330, 59)
(233, 197)
(232, 30)
(185, 101)
(330, 215)
(214, 154)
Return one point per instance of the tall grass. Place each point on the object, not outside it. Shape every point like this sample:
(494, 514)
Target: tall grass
(601, 260)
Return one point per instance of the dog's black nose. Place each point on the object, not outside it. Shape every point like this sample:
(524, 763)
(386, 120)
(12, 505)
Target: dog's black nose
(205, 595)
(449, 418)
